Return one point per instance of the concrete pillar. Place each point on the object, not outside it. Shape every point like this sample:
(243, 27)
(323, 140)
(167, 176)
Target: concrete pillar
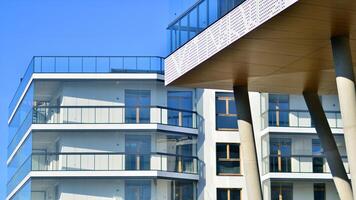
(345, 82)
(248, 147)
(328, 144)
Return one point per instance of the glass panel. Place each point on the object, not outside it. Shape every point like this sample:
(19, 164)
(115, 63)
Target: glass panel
(319, 191)
(228, 194)
(137, 148)
(234, 151)
(226, 122)
(221, 151)
(228, 167)
(137, 104)
(278, 106)
(137, 190)
(180, 100)
(184, 190)
(281, 191)
(280, 149)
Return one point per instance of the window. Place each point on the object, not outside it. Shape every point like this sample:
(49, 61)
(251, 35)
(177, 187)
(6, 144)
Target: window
(178, 102)
(228, 159)
(137, 149)
(280, 158)
(278, 114)
(137, 190)
(183, 190)
(319, 191)
(226, 114)
(228, 194)
(318, 158)
(137, 104)
(281, 191)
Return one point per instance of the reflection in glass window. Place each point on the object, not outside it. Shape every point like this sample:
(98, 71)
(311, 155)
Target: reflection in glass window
(137, 106)
(318, 159)
(184, 190)
(137, 149)
(278, 114)
(228, 194)
(227, 159)
(137, 190)
(180, 103)
(280, 158)
(226, 115)
(281, 191)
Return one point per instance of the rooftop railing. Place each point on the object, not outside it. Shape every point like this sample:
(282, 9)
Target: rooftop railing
(114, 115)
(298, 164)
(120, 161)
(87, 64)
(196, 19)
(297, 118)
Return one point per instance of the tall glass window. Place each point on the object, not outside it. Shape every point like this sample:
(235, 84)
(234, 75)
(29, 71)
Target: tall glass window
(280, 158)
(183, 190)
(178, 103)
(318, 160)
(137, 190)
(228, 159)
(137, 104)
(281, 191)
(226, 114)
(319, 191)
(228, 194)
(137, 149)
(278, 114)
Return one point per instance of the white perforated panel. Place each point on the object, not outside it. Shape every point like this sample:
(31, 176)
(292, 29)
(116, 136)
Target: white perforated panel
(226, 30)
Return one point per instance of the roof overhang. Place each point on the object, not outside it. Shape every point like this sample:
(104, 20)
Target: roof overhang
(289, 53)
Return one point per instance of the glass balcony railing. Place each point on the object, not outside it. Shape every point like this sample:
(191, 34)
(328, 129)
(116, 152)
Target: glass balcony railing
(196, 19)
(114, 115)
(104, 115)
(297, 118)
(87, 64)
(298, 164)
(114, 162)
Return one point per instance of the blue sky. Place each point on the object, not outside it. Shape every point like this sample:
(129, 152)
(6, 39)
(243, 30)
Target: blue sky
(75, 27)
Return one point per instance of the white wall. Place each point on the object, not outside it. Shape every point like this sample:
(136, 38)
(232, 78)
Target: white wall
(209, 136)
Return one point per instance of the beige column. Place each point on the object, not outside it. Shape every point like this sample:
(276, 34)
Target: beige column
(345, 82)
(248, 146)
(327, 141)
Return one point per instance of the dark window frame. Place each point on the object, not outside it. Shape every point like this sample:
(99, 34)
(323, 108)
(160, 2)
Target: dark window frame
(229, 190)
(227, 97)
(228, 159)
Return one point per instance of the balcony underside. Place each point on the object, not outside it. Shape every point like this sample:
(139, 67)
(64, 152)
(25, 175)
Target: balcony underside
(288, 54)
(113, 174)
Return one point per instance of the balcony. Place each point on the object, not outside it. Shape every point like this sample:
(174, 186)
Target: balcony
(114, 162)
(297, 119)
(196, 19)
(87, 64)
(105, 115)
(298, 164)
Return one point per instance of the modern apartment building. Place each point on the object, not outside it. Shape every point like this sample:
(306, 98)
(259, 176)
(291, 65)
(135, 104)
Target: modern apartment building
(109, 128)
(119, 133)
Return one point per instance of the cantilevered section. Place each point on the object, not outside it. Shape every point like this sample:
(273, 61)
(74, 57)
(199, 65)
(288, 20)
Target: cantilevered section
(272, 46)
